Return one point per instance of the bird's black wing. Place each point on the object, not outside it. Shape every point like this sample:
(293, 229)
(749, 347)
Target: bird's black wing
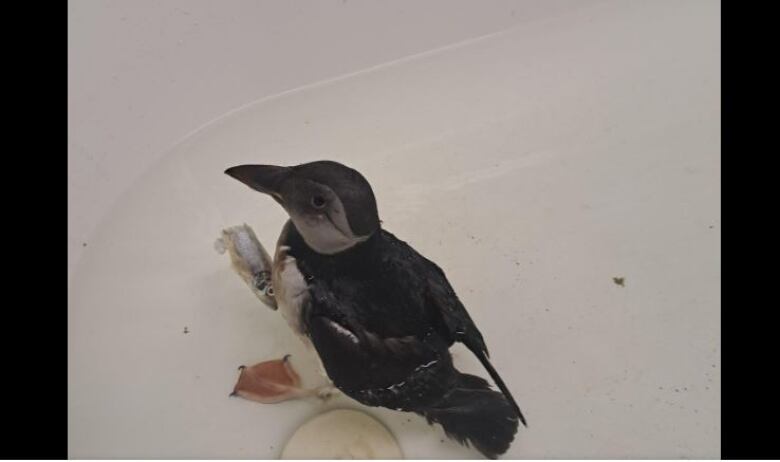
(455, 322)
(439, 298)
(404, 372)
(460, 327)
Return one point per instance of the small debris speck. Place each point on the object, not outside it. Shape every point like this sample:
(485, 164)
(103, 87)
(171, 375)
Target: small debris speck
(620, 281)
(83, 244)
(186, 331)
(677, 390)
(711, 226)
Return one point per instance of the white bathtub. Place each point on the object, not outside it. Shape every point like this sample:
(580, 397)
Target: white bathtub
(533, 165)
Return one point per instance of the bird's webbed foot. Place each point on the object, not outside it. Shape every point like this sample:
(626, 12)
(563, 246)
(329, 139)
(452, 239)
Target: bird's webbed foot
(276, 381)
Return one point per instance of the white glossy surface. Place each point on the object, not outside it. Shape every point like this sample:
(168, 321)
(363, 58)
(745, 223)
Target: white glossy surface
(534, 166)
(143, 74)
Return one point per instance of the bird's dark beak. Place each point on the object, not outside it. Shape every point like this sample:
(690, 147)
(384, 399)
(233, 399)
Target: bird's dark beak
(267, 179)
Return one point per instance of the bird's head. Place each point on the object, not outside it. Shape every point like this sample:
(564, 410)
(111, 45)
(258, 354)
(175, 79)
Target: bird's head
(331, 205)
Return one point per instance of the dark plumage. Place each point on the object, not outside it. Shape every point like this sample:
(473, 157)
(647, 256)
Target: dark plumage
(382, 318)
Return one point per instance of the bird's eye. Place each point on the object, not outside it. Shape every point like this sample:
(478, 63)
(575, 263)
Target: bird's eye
(318, 202)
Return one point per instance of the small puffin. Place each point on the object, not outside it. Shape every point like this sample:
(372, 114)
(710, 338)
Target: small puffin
(380, 316)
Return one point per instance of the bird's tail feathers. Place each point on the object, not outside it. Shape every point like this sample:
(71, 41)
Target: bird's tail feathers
(473, 414)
